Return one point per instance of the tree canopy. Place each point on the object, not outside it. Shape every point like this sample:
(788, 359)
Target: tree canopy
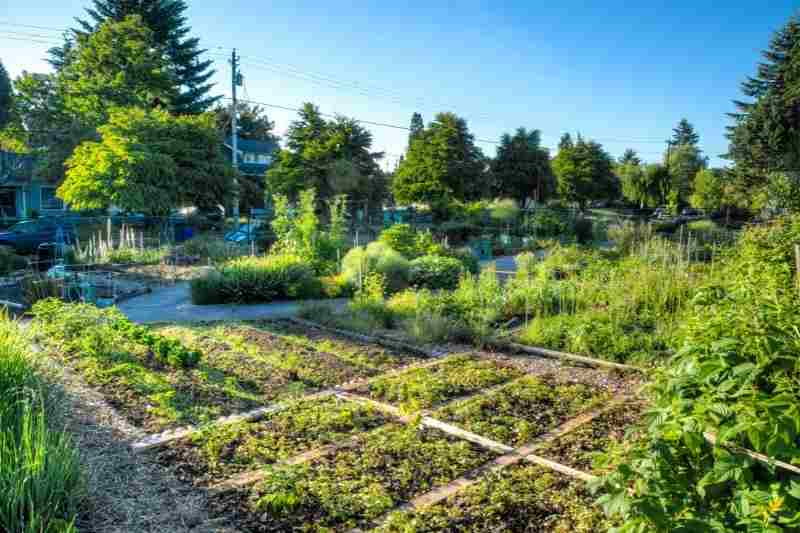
(254, 124)
(584, 171)
(416, 127)
(331, 156)
(442, 163)
(684, 134)
(119, 65)
(708, 191)
(6, 97)
(683, 162)
(168, 25)
(765, 134)
(521, 168)
(149, 161)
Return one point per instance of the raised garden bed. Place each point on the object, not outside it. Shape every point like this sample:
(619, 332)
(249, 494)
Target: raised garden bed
(357, 484)
(522, 498)
(579, 448)
(218, 452)
(517, 413)
(454, 376)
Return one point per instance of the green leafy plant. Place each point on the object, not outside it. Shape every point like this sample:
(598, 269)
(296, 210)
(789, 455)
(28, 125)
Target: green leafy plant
(435, 272)
(376, 257)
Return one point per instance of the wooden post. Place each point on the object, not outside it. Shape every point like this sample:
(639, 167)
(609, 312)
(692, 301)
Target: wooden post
(797, 265)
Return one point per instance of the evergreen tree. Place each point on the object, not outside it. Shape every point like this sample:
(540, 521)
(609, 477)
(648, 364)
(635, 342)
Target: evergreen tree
(630, 157)
(166, 19)
(417, 126)
(521, 169)
(765, 135)
(442, 164)
(254, 124)
(684, 134)
(6, 97)
(584, 171)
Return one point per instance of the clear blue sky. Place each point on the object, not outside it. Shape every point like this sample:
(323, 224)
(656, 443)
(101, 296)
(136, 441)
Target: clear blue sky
(617, 71)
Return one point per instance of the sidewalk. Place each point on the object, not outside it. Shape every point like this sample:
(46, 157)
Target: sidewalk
(174, 304)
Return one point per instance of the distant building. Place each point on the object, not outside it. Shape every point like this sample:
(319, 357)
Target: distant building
(255, 157)
(21, 193)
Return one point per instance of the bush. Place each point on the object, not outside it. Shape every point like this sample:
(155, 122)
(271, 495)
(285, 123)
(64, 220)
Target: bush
(401, 238)
(545, 223)
(435, 272)
(258, 280)
(469, 261)
(379, 258)
(504, 211)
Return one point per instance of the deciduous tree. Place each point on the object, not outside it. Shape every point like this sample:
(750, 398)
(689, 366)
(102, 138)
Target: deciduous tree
(254, 124)
(149, 161)
(6, 97)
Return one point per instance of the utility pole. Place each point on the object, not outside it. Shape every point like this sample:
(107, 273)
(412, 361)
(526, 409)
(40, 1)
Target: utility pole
(236, 81)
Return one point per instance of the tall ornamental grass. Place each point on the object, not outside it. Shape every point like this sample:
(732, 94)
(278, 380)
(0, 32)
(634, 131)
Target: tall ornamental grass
(40, 477)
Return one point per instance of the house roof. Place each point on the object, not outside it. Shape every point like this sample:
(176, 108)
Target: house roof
(253, 147)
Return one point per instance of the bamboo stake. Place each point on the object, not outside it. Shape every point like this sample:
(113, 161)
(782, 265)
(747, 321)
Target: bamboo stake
(797, 265)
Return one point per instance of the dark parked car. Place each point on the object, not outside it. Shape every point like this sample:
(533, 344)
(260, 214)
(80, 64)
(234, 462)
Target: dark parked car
(26, 237)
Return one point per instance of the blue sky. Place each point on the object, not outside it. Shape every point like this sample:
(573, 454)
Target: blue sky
(620, 72)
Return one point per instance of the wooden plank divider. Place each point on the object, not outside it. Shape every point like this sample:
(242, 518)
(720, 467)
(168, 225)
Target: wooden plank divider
(761, 458)
(553, 354)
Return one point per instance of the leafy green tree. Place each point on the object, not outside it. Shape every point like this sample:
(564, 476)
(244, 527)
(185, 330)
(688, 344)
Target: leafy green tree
(47, 127)
(417, 127)
(443, 163)
(254, 124)
(149, 161)
(6, 97)
(708, 190)
(684, 162)
(584, 171)
(765, 134)
(119, 65)
(521, 169)
(684, 134)
(166, 20)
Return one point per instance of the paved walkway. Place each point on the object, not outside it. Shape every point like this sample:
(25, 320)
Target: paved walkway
(174, 304)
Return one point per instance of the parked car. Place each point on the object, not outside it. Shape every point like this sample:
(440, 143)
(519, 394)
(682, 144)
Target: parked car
(25, 237)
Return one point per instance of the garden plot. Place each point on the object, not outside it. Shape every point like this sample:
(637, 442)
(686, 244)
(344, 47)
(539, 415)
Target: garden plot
(609, 431)
(522, 498)
(455, 376)
(357, 483)
(517, 413)
(215, 453)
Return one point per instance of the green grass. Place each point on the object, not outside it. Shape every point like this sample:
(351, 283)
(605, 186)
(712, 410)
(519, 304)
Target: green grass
(454, 376)
(522, 410)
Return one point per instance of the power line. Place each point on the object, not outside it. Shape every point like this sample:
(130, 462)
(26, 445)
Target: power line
(45, 28)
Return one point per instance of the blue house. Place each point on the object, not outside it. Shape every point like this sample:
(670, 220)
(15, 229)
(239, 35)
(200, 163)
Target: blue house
(21, 193)
(254, 158)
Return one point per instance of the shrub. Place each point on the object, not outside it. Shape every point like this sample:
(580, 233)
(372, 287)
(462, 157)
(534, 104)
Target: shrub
(469, 261)
(545, 223)
(435, 272)
(504, 211)
(401, 238)
(258, 280)
(336, 287)
(379, 258)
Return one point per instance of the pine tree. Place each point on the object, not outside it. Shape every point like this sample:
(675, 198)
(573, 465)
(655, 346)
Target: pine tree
(417, 126)
(765, 136)
(684, 134)
(522, 167)
(630, 157)
(166, 19)
(6, 97)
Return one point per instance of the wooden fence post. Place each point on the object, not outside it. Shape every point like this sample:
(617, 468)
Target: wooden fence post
(797, 265)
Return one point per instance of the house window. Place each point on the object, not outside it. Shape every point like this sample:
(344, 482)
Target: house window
(49, 199)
